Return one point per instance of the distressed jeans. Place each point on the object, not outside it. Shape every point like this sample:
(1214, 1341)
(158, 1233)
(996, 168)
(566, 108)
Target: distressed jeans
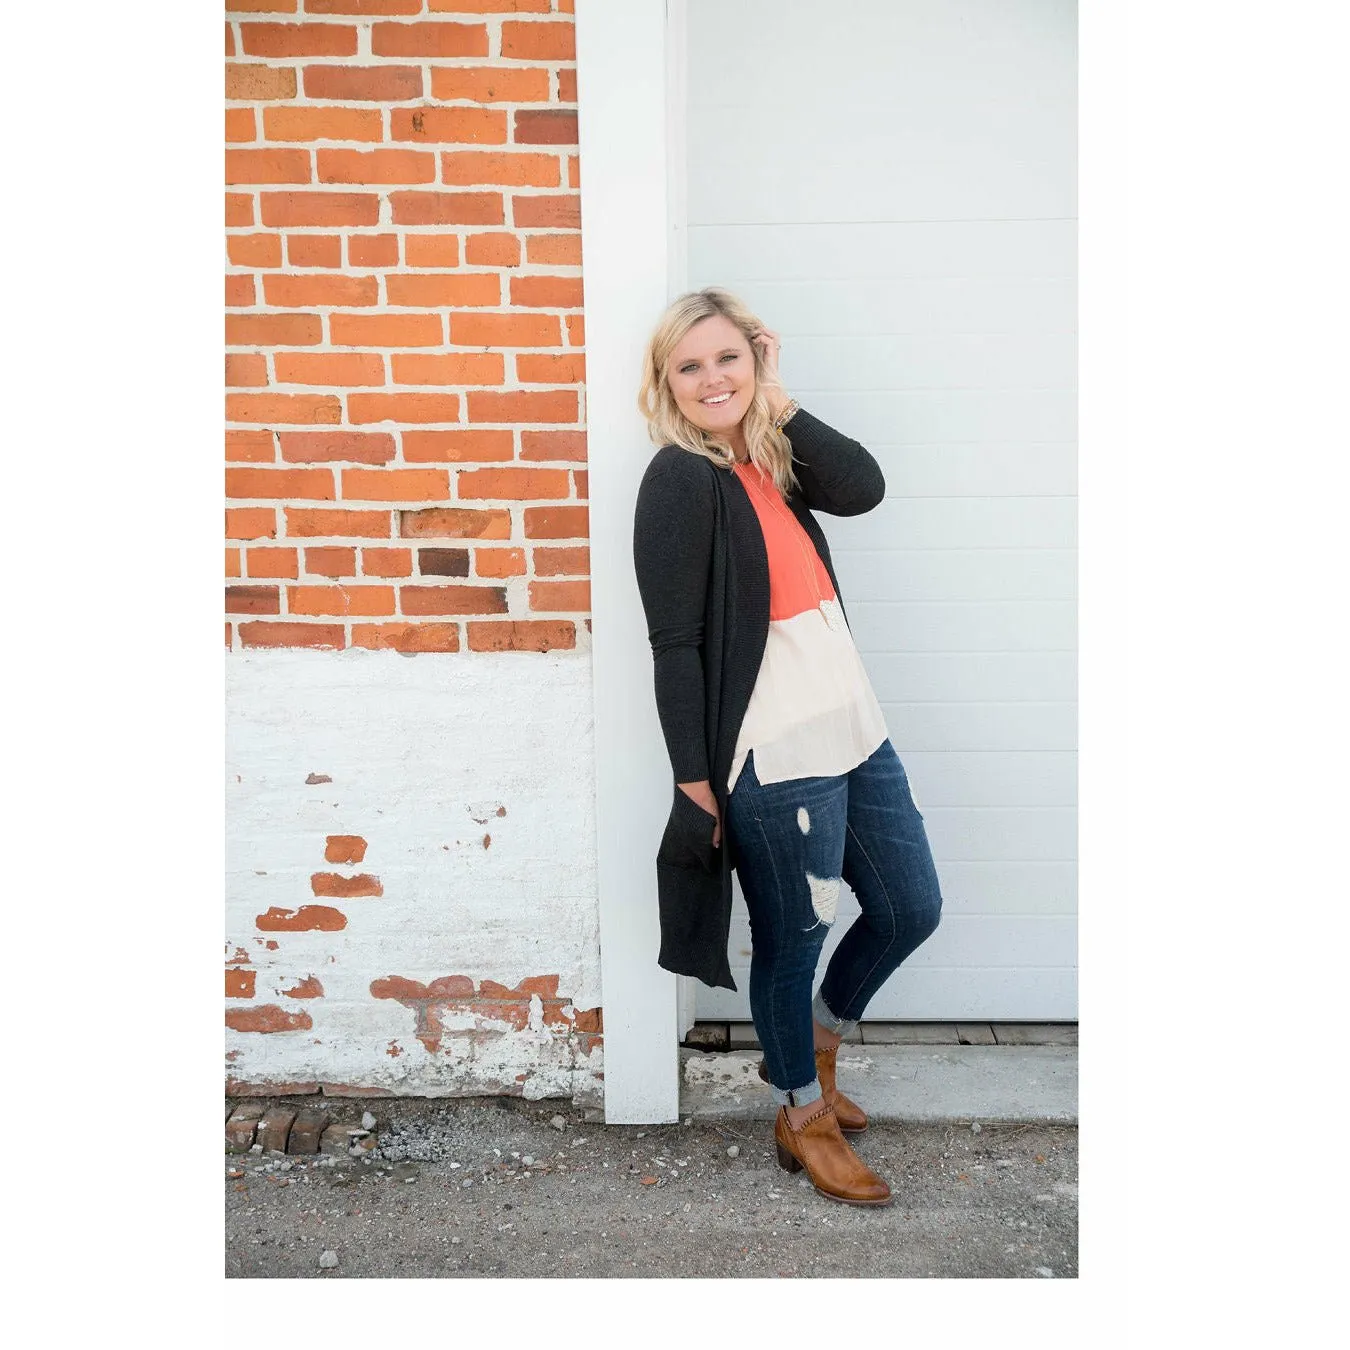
(793, 843)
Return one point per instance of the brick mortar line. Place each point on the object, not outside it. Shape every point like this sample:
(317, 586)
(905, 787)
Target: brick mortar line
(578, 465)
(397, 584)
(453, 18)
(384, 190)
(419, 579)
(491, 61)
(389, 424)
(581, 636)
(389, 385)
(324, 390)
(567, 271)
(575, 617)
(441, 349)
(421, 101)
(286, 428)
(395, 540)
(384, 312)
(498, 311)
(399, 541)
(358, 270)
(569, 464)
(444, 350)
(414, 503)
(348, 271)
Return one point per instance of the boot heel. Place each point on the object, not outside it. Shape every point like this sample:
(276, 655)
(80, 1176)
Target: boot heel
(786, 1161)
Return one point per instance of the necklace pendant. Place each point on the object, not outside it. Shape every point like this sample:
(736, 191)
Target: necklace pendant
(834, 615)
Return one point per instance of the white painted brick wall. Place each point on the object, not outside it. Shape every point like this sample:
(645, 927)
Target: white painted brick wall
(420, 753)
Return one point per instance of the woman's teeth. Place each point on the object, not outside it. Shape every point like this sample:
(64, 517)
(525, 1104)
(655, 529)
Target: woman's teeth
(716, 400)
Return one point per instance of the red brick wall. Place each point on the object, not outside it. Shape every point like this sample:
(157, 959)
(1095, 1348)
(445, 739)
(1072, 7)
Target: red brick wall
(405, 443)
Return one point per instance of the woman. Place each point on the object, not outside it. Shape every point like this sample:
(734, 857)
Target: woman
(782, 765)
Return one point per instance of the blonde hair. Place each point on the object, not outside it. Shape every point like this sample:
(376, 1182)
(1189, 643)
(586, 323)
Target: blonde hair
(667, 425)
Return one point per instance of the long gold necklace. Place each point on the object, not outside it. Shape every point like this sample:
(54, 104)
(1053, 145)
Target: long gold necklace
(830, 609)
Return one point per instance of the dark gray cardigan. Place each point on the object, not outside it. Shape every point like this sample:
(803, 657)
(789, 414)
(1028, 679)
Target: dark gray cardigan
(704, 579)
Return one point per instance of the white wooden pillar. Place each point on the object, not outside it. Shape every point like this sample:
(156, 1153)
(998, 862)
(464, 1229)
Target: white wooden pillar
(627, 140)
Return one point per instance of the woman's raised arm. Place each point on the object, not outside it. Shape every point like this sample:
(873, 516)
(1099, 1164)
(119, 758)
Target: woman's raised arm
(838, 476)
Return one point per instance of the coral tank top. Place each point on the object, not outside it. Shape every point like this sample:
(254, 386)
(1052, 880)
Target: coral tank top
(812, 712)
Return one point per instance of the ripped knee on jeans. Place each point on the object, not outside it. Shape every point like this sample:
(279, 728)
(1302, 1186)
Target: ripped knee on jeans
(824, 898)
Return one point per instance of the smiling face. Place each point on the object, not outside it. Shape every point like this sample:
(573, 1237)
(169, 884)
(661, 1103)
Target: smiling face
(711, 373)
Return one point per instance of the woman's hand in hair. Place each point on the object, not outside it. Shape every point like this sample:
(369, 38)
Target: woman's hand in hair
(769, 346)
(701, 794)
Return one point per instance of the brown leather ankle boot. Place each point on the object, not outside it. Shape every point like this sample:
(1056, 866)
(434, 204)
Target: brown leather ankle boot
(852, 1118)
(834, 1169)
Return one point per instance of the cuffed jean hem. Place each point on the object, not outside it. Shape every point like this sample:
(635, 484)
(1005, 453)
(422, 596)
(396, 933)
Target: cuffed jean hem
(841, 1026)
(802, 1096)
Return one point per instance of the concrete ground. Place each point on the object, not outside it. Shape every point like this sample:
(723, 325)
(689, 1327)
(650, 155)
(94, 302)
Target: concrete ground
(501, 1187)
(920, 1084)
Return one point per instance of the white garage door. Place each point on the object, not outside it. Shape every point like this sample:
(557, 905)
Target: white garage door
(890, 184)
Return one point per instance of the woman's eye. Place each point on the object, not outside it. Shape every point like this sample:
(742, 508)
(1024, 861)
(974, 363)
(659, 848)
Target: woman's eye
(730, 356)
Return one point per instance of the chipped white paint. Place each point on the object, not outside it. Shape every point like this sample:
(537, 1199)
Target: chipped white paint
(824, 896)
(730, 1073)
(803, 820)
(424, 758)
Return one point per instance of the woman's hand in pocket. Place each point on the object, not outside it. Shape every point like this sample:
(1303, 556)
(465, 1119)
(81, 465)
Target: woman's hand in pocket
(701, 794)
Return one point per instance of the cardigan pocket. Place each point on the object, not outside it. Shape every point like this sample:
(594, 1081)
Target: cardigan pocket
(693, 934)
(688, 837)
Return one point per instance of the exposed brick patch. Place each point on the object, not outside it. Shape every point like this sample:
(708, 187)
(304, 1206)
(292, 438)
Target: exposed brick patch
(490, 1003)
(515, 1014)
(307, 918)
(309, 987)
(266, 1017)
(239, 983)
(333, 886)
(269, 1087)
(546, 986)
(344, 848)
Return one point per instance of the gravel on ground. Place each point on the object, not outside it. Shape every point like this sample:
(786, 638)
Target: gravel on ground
(502, 1187)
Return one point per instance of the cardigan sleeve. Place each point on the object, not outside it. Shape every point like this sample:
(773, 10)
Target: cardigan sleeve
(836, 474)
(672, 547)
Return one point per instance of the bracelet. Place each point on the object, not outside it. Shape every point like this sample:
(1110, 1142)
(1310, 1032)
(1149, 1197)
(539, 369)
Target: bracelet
(784, 417)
